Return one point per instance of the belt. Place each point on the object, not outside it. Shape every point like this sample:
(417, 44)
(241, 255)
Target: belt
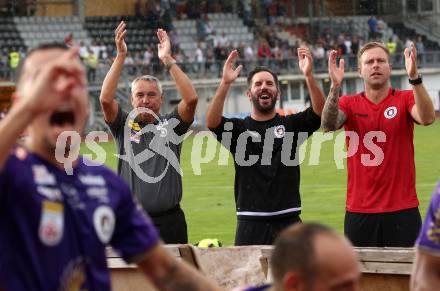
(166, 212)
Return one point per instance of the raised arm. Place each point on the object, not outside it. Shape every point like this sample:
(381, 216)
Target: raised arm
(215, 108)
(40, 93)
(187, 106)
(332, 117)
(167, 273)
(423, 111)
(110, 84)
(305, 62)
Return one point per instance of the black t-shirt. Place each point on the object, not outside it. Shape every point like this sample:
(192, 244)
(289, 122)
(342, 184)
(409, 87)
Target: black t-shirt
(267, 174)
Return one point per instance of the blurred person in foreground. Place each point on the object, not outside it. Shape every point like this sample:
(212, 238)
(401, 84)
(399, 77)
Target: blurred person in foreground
(312, 257)
(56, 220)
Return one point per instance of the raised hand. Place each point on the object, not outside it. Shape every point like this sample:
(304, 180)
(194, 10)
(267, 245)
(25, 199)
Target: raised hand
(336, 73)
(120, 32)
(411, 61)
(230, 74)
(164, 45)
(305, 60)
(58, 80)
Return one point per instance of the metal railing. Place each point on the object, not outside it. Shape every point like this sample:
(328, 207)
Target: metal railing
(212, 70)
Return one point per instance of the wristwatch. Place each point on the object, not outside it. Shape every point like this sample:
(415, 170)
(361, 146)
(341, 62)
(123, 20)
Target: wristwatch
(169, 64)
(416, 81)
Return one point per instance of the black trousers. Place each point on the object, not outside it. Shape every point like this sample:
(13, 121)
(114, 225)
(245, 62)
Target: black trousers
(171, 225)
(390, 229)
(261, 231)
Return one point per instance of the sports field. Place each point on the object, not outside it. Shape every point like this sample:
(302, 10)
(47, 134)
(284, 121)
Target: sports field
(208, 198)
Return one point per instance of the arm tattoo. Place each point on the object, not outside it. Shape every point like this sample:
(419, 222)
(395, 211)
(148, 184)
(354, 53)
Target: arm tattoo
(332, 117)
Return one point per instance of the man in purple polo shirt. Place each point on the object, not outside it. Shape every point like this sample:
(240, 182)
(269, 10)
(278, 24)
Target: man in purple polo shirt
(425, 273)
(55, 224)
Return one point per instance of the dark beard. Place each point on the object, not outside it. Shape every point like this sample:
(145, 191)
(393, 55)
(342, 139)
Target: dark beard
(262, 109)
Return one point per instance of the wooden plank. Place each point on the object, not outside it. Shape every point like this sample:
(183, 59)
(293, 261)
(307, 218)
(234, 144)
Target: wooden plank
(386, 268)
(118, 263)
(401, 255)
(379, 282)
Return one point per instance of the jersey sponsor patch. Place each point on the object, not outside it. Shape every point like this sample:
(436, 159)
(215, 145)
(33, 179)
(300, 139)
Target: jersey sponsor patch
(91, 180)
(279, 131)
(390, 112)
(50, 193)
(104, 222)
(51, 223)
(42, 175)
(99, 193)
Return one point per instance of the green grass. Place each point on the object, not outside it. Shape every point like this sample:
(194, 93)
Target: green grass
(208, 199)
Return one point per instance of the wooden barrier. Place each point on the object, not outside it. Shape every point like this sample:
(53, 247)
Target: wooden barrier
(382, 268)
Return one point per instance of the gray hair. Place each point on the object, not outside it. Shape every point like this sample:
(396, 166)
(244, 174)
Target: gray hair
(148, 78)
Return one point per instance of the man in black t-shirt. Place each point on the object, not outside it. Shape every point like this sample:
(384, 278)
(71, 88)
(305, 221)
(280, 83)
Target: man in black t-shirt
(264, 146)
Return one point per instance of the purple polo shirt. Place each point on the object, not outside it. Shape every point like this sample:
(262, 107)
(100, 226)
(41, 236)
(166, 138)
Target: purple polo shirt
(429, 237)
(54, 227)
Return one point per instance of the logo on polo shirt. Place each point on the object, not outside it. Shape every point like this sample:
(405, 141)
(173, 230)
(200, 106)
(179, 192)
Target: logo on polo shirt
(390, 112)
(279, 131)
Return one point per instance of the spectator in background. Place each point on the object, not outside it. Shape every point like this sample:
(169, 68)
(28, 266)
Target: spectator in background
(399, 50)
(318, 55)
(222, 40)
(264, 53)
(372, 27)
(83, 52)
(391, 46)
(14, 61)
(381, 26)
(91, 62)
(148, 55)
(420, 49)
(249, 53)
(199, 59)
(175, 39)
(353, 52)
